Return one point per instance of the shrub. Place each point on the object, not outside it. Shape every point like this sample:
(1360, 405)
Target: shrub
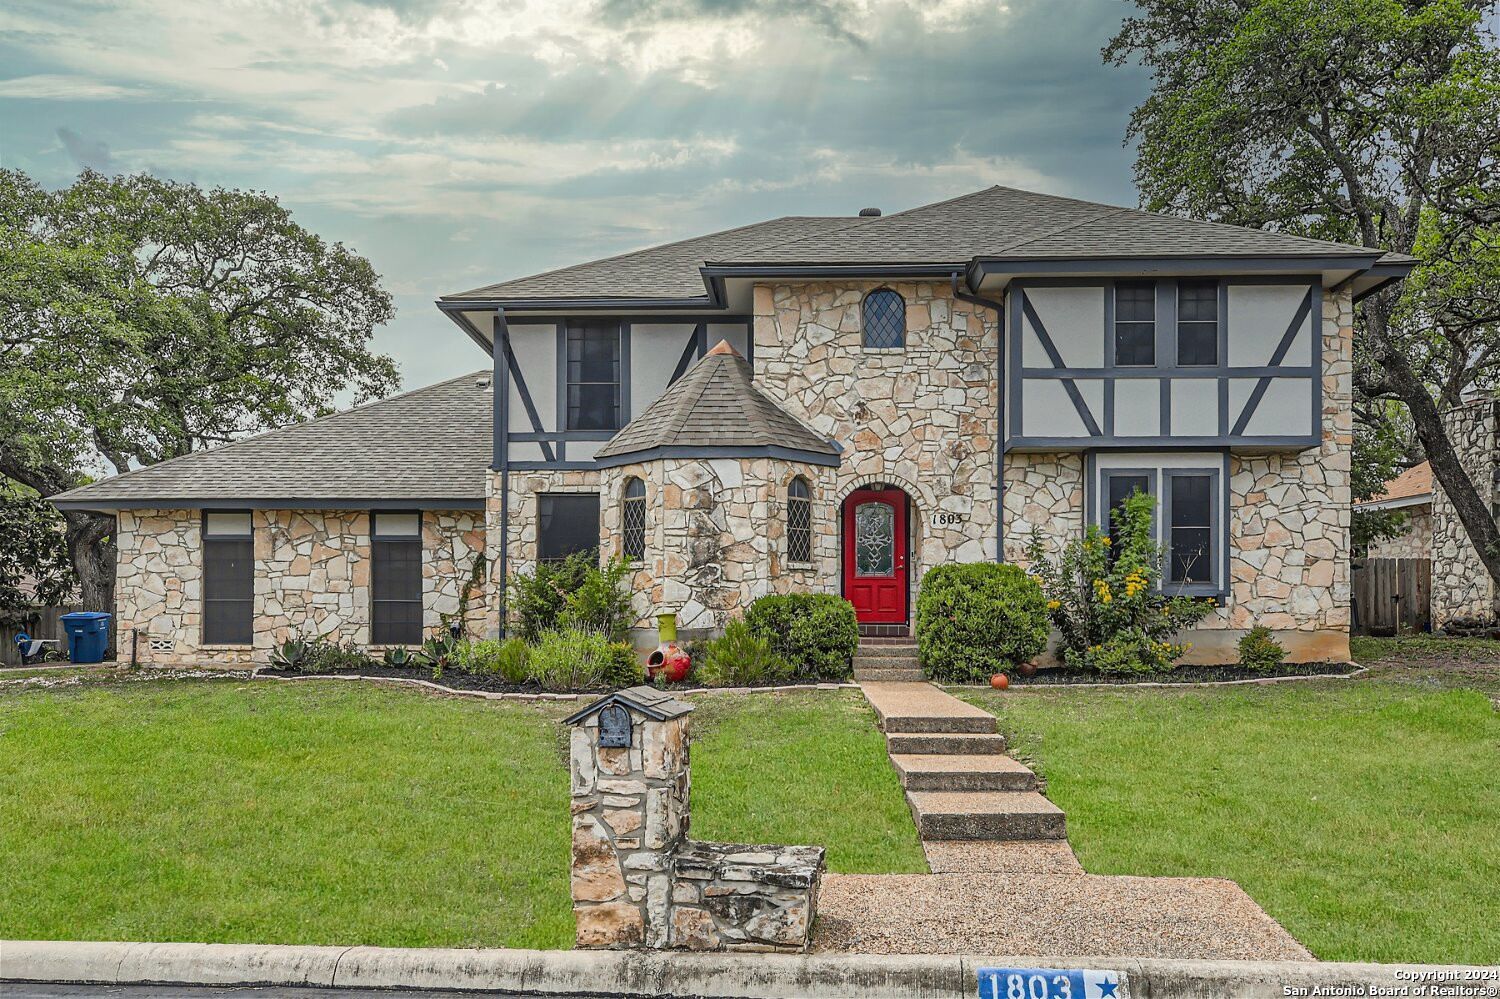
(322, 655)
(816, 634)
(738, 658)
(600, 602)
(1102, 595)
(1259, 651)
(974, 620)
(574, 660)
(536, 600)
(506, 659)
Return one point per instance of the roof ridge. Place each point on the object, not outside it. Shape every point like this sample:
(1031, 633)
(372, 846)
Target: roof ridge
(680, 413)
(267, 433)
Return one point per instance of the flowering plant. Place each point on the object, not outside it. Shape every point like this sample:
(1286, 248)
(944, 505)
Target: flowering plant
(1103, 598)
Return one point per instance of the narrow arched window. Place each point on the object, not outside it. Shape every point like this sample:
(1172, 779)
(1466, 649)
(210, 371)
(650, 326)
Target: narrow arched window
(883, 319)
(633, 519)
(798, 521)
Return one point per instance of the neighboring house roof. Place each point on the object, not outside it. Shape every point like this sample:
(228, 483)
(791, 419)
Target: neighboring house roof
(715, 410)
(1412, 487)
(422, 447)
(1000, 223)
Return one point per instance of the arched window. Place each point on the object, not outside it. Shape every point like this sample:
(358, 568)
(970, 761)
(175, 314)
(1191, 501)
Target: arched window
(633, 519)
(798, 521)
(884, 319)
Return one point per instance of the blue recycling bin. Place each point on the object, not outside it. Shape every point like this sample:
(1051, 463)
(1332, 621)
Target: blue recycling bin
(88, 635)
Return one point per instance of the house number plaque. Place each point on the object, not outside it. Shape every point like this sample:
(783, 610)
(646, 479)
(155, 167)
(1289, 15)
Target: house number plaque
(614, 728)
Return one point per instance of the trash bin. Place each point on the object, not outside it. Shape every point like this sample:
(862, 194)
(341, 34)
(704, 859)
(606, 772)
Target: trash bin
(88, 635)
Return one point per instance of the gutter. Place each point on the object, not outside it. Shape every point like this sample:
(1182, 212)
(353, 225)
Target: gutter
(999, 308)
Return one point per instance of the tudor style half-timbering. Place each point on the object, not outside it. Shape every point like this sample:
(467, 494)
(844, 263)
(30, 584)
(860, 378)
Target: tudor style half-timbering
(837, 404)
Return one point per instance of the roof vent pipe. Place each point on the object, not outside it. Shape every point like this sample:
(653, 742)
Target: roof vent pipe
(869, 213)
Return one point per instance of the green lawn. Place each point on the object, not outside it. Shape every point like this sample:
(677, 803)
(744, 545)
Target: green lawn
(323, 812)
(1363, 815)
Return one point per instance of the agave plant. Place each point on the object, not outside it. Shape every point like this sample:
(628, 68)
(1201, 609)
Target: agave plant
(399, 657)
(435, 652)
(289, 654)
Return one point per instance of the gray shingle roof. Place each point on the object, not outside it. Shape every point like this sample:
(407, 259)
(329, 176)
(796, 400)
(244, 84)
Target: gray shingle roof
(995, 222)
(715, 405)
(432, 443)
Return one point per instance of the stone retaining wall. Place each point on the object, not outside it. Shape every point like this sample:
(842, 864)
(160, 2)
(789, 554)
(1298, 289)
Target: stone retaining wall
(1461, 586)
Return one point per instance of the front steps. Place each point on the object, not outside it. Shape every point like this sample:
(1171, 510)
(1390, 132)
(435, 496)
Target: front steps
(889, 660)
(960, 785)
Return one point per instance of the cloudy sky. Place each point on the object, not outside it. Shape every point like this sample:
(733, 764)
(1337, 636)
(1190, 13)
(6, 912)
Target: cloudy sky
(459, 142)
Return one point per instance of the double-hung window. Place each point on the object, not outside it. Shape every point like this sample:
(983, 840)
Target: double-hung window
(228, 578)
(1197, 323)
(1135, 323)
(568, 523)
(593, 373)
(396, 578)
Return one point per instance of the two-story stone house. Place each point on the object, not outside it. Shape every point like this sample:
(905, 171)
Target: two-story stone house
(832, 404)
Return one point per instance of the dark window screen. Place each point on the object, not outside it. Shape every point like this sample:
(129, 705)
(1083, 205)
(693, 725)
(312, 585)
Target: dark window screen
(1119, 489)
(1191, 554)
(396, 581)
(799, 521)
(228, 587)
(594, 377)
(569, 523)
(1135, 323)
(1198, 323)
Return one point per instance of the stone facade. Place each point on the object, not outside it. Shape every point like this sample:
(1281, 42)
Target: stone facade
(1415, 539)
(638, 881)
(312, 578)
(1461, 586)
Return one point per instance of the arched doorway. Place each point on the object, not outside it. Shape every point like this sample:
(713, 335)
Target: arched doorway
(875, 559)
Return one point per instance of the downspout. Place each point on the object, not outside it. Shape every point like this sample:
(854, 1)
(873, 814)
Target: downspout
(999, 308)
(500, 461)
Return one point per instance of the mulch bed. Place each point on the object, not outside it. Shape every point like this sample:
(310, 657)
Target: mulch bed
(451, 678)
(1059, 677)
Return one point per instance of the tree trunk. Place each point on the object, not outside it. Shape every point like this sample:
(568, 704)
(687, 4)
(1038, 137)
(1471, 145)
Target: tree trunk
(1471, 508)
(91, 547)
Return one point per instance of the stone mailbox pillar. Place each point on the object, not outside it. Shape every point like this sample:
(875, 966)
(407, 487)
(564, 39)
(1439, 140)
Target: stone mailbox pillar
(637, 880)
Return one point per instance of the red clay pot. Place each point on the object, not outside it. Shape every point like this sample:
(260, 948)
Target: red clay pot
(1027, 669)
(999, 681)
(669, 658)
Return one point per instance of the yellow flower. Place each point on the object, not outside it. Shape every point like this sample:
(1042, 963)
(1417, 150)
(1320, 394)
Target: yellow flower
(1105, 596)
(1054, 604)
(1105, 539)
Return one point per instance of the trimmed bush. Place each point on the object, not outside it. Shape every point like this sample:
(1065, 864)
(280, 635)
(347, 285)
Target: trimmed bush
(977, 619)
(816, 634)
(738, 658)
(577, 660)
(1259, 651)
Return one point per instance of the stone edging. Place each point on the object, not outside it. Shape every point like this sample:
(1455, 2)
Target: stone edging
(1358, 671)
(502, 695)
(637, 973)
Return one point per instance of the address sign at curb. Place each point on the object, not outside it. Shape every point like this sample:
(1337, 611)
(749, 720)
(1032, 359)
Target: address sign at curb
(1051, 983)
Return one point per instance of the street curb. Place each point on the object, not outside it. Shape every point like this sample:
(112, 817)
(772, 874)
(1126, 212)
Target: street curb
(639, 973)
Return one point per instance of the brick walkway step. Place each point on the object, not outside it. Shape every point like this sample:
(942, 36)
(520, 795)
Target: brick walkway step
(963, 773)
(943, 744)
(888, 674)
(971, 815)
(921, 707)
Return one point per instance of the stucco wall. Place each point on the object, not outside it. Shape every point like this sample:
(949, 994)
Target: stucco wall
(312, 578)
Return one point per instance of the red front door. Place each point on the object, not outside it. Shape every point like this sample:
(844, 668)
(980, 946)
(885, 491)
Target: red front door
(875, 555)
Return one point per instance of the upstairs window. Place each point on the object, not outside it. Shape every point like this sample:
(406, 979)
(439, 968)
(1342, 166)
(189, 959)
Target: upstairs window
(593, 376)
(633, 519)
(228, 578)
(1135, 323)
(883, 320)
(569, 522)
(1197, 323)
(396, 578)
(798, 521)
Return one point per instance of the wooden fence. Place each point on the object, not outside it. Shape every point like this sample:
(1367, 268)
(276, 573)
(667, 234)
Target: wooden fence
(39, 622)
(1392, 596)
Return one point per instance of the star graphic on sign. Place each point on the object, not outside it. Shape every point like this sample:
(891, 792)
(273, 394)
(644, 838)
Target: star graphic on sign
(1107, 988)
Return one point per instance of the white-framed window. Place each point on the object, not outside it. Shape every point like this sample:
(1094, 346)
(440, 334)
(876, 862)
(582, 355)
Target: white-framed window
(1189, 523)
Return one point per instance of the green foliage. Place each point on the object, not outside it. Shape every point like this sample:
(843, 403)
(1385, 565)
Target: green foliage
(974, 620)
(398, 657)
(323, 655)
(1381, 442)
(570, 659)
(507, 659)
(436, 653)
(289, 654)
(1108, 610)
(816, 634)
(600, 602)
(1259, 651)
(536, 600)
(32, 548)
(738, 658)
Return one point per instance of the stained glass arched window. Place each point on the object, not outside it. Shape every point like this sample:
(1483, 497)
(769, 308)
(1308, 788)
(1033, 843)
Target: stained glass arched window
(798, 521)
(883, 319)
(633, 519)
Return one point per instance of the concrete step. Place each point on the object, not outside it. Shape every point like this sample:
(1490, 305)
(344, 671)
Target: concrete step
(921, 707)
(972, 815)
(943, 744)
(878, 659)
(889, 674)
(985, 772)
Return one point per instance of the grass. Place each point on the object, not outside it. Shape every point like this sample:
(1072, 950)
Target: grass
(348, 813)
(1363, 815)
